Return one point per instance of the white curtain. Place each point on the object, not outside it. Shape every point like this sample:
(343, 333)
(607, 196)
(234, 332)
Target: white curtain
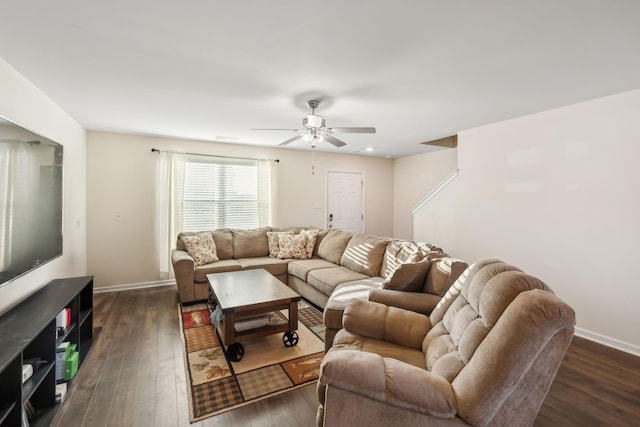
(15, 168)
(169, 197)
(266, 173)
(170, 200)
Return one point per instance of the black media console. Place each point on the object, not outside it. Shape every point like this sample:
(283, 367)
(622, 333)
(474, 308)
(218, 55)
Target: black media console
(28, 331)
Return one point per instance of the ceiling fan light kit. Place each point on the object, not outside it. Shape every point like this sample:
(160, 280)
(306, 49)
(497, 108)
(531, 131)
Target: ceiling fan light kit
(314, 129)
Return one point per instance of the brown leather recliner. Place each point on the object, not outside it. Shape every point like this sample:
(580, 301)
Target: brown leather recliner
(485, 356)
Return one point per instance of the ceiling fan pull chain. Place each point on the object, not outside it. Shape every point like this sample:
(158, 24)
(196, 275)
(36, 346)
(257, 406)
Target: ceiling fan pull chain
(313, 161)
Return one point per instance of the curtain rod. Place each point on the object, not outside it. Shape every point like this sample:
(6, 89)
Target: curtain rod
(155, 150)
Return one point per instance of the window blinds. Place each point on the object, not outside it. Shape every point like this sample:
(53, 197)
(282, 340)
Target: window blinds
(222, 192)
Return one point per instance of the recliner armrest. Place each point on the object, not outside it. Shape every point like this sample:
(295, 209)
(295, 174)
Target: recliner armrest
(379, 321)
(388, 380)
(419, 302)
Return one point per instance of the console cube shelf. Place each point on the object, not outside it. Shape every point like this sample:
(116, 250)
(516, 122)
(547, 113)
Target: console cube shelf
(27, 331)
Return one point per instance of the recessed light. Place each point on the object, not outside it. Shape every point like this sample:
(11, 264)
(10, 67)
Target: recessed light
(226, 138)
(369, 149)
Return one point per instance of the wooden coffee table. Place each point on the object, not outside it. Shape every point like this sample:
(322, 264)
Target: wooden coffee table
(245, 296)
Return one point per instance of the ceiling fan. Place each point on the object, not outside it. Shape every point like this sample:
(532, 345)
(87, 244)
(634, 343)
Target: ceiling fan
(314, 129)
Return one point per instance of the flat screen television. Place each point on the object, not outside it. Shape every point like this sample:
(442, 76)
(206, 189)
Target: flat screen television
(30, 200)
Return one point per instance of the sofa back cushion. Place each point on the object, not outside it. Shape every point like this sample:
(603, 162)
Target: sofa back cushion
(224, 242)
(321, 235)
(364, 254)
(250, 243)
(333, 244)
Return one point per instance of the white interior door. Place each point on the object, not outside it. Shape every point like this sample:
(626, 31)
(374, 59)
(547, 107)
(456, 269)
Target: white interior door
(344, 201)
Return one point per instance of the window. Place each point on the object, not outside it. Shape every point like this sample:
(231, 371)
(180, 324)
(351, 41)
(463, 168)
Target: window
(220, 192)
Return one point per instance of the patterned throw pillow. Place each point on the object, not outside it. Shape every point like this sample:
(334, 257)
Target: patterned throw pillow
(201, 247)
(274, 242)
(293, 246)
(312, 235)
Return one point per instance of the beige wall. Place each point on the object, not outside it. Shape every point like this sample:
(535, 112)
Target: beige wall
(557, 195)
(414, 177)
(121, 172)
(24, 104)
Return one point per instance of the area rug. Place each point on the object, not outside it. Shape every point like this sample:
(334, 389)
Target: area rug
(215, 384)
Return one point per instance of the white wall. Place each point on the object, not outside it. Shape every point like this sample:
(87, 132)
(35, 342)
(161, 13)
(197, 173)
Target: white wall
(24, 104)
(121, 183)
(556, 194)
(414, 177)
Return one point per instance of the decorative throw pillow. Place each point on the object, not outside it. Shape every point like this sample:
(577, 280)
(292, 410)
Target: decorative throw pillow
(408, 277)
(293, 246)
(201, 247)
(399, 252)
(312, 235)
(444, 272)
(274, 242)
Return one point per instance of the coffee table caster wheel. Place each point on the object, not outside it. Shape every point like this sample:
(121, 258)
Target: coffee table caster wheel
(290, 338)
(235, 352)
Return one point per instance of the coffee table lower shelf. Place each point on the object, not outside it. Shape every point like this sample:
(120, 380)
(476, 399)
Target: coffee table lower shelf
(232, 330)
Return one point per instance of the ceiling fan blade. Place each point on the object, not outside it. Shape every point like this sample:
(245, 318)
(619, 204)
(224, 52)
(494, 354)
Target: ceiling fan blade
(294, 130)
(333, 140)
(290, 140)
(352, 130)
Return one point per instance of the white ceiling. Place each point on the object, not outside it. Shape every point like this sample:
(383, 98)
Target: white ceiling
(416, 70)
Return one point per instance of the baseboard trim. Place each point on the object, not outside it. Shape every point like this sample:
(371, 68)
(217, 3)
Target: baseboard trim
(131, 286)
(608, 341)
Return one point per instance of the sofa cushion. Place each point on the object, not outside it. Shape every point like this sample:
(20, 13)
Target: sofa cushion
(442, 274)
(326, 279)
(224, 242)
(222, 266)
(342, 294)
(301, 268)
(293, 246)
(409, 277)
(250, 243)
(399, 252)
(429, 248)
(273, 240)
(364, 254)
(333, 245)
(274, 266)
(321, 235)
(201, 248)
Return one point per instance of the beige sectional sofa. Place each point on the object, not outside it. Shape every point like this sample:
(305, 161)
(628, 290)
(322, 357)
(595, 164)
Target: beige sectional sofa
(335, 267)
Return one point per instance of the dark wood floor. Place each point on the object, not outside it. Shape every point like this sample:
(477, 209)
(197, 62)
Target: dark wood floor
(135, 376)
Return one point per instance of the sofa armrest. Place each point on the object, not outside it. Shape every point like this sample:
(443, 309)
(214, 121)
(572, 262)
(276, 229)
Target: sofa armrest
(379, 321)
(184, 271)
(419, 302)
(389, 381)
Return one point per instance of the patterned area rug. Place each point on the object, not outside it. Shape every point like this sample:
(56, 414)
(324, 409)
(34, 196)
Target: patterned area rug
(216, 385)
